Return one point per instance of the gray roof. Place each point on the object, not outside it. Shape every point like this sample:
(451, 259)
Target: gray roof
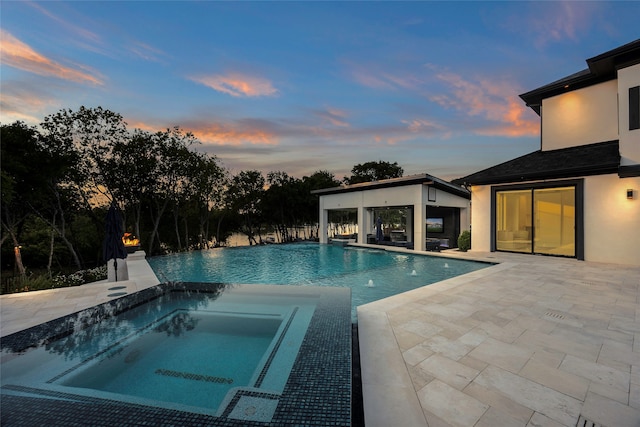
(583, 160)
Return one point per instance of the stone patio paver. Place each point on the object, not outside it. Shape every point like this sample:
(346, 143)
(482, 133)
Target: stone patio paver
(449, 404)
(532, 341)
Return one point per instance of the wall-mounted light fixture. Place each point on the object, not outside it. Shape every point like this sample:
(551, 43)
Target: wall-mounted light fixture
(629, 193)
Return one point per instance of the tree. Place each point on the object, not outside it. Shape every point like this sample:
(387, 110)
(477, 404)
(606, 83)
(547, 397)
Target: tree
(246, 193)
(90, 133)
(171, 179)
(22, 181)
(321, 179)
(374, 171)
(130, 172)
(310, 209)
(84, 139)
(209, 181)
(282, 201)
(56, 181)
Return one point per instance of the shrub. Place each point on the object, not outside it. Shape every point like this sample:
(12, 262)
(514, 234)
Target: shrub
(73, 279)
(80, 277)
(94, 274)
(464, 241)
(24, 284)
(34, 282)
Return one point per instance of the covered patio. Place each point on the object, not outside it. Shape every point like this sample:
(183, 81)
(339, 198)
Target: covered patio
(418, 212)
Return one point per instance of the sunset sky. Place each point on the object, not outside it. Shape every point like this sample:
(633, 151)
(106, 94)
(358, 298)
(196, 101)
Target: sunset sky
(306, 86)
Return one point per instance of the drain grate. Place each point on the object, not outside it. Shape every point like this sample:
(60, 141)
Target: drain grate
(554, 314)
(583, 422)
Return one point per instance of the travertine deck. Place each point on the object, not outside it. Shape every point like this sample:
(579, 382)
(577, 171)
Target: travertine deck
(24, 310)
(533, 341)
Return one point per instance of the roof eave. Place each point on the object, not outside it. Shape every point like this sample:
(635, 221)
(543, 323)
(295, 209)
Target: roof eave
(602, 68)
(534, 98)
(420, 179)
(548, 175)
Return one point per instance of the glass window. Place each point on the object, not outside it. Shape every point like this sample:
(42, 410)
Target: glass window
(634, 108)
(537, 220)
(513, 221)
(555, 222)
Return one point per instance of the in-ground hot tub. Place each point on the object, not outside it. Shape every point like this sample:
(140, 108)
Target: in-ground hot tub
(207, 353)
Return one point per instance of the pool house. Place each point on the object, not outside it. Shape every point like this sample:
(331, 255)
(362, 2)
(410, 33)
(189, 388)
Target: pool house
(418, 212)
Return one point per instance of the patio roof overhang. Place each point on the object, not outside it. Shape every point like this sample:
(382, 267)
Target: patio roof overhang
(419, 179)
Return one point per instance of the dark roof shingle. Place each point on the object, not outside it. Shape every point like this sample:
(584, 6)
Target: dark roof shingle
(584, 160)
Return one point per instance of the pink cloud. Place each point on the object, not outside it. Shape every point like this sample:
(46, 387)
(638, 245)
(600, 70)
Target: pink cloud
(146, 52)
(19, 55)
(77, 35)
(376, 79)
(334, 116)
(218, 133)
(10, 116)
(421, 125)
(370, 80)
(494, 100)
(237, 84)
(79, 32)
(558, 21)
(25, 101)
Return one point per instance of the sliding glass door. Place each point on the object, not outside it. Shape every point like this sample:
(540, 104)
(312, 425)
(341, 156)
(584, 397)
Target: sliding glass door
(555, 218)
(536, 220)
(513, 221)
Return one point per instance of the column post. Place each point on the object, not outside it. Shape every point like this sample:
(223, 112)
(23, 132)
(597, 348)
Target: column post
(420, 221)
(323, 232)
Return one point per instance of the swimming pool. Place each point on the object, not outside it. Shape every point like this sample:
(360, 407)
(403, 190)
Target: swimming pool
(372, 274)
(187, 354)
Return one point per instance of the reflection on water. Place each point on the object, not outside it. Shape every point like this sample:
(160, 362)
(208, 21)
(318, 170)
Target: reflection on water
(177, 325)
(83, 334)
(372, 274)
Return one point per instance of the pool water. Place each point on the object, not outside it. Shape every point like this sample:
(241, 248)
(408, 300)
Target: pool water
(225, 351)
(372, 274)
(189, 358)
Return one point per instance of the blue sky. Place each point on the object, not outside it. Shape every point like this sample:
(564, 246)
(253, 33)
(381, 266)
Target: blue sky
(306, 86)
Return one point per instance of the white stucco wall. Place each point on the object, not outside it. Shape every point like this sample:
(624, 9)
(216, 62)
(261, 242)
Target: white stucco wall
(629, 140)
(445, 199)
(481, 218)
(387, 197)
(580, 117)
(611, 221)
(341, 201)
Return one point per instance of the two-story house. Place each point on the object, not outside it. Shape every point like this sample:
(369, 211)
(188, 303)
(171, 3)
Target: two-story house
(579, 195)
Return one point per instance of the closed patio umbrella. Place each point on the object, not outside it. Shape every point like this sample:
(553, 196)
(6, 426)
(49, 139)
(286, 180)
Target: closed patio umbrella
(379, 236)
(113, 247)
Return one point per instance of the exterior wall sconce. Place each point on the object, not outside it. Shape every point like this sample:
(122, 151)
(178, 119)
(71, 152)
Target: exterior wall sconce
(629, 194)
